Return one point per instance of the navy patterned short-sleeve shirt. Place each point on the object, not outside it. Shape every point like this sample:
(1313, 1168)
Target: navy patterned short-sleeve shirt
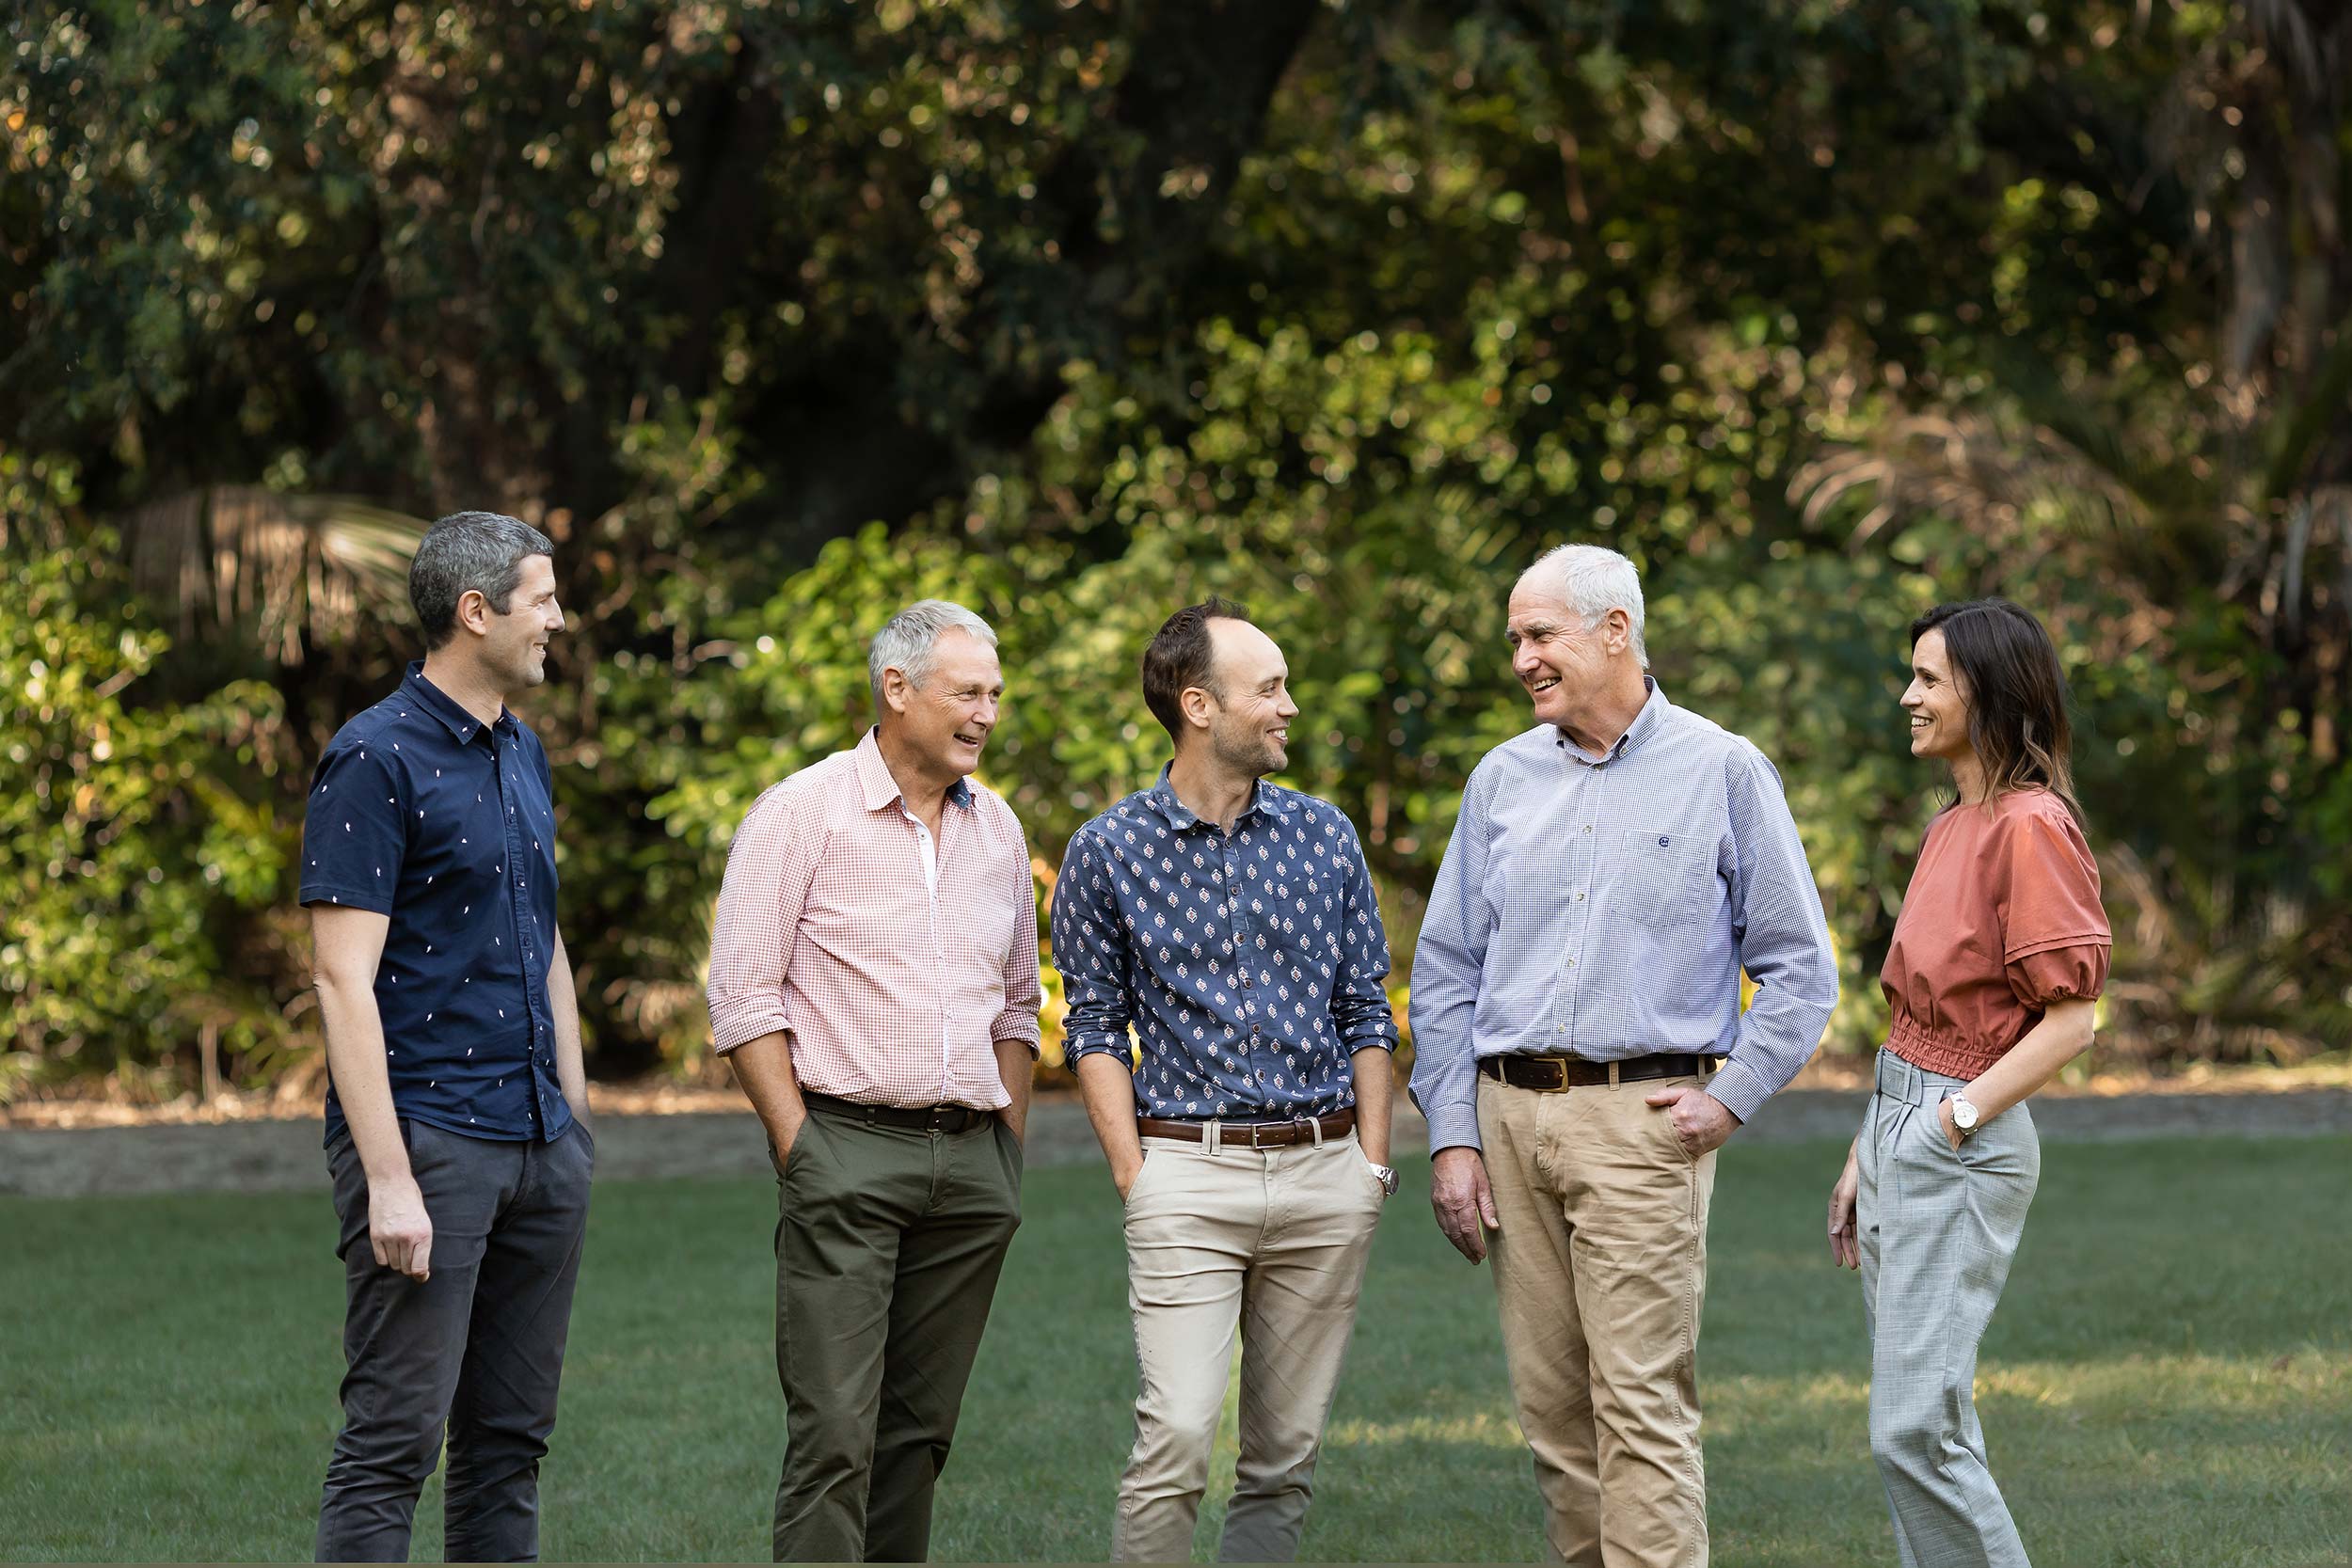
(1249, 963)
(420, 812)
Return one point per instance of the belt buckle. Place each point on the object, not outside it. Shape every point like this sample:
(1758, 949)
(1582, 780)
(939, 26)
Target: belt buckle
(1559, 1074)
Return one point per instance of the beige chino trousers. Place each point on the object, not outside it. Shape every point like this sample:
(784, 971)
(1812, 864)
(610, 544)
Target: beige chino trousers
(1269, 1242)
(1600, 1269)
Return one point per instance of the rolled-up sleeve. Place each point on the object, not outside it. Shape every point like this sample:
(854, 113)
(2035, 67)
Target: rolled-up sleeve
(1448, 960)
(1089, 953)
(1023, 993)
(1360, 1001)
(769, 864)
(1783, 939)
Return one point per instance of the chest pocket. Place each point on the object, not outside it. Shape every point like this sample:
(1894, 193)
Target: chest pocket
(1664, 881)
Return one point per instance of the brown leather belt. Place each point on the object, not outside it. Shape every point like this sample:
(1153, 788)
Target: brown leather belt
(930, 1118)
(1252, 1135)
(1550, 1074)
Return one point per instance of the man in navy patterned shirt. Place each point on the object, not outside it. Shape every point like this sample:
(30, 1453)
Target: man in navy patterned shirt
(456, 1121)
(1231, 923)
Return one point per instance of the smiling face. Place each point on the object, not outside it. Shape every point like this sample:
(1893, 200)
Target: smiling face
(1251, 708)
(1563, 664)
(1937, 707)
(514, 647)
(945, 722)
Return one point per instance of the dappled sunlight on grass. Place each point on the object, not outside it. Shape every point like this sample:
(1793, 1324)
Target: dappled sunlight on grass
(1492, 1429)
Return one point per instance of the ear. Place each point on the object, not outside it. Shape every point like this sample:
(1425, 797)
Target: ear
(474, 611)
(1617, 631)
(897, 692)
(1199, 706)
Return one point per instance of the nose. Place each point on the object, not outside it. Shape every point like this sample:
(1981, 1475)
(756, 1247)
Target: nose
(1523, 660)
(555, 616)
(1286, 709)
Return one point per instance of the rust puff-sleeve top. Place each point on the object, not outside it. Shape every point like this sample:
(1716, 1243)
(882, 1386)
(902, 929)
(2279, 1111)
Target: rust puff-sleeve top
(2002, 919)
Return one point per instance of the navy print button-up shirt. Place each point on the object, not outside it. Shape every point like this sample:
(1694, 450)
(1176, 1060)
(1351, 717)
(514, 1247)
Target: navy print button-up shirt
(422, 812)
(1250, 963)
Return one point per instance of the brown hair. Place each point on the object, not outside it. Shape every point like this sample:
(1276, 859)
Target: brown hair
(1181, 655)
(2016, 692)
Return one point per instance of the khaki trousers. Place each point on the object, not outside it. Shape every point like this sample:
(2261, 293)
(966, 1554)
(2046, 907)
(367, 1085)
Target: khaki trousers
(1601, 1268)
(1271, 1242)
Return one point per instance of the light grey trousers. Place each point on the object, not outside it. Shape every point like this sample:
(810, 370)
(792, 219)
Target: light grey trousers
(1938, 1228)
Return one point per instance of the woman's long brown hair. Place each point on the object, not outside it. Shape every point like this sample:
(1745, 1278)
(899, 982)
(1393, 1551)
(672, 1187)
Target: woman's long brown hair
(2009, 671)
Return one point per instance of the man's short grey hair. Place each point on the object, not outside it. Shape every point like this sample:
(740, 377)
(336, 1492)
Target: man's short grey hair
(481, 551)
(907, 642)
(1592, 581)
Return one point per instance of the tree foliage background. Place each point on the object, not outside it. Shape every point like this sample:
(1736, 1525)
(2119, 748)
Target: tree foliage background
(779, 315)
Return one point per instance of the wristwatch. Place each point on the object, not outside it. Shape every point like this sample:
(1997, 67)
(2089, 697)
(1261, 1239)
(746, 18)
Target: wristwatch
(1387, 1176)
(1964, 1116)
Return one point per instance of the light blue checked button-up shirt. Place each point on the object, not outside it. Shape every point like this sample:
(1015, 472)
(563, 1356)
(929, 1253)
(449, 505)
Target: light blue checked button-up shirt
(1603, 907)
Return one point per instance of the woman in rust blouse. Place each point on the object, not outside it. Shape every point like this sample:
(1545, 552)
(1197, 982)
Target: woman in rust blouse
(1998, 953)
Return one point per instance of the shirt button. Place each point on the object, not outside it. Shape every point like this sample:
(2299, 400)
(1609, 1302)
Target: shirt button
(1588, 827)
(1580, 898)
(1571, 963)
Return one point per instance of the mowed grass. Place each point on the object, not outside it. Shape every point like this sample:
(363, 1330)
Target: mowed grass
(2169, 1382)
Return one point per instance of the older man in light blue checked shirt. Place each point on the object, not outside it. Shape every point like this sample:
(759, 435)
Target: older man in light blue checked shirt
(1577, 981)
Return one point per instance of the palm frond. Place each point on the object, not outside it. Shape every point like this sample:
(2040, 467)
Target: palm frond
(284, 573)
(1990, 475)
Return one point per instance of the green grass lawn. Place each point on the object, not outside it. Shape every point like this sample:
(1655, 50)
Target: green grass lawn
(2169, 1382)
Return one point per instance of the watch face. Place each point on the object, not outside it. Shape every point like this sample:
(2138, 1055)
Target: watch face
(1964, 1114)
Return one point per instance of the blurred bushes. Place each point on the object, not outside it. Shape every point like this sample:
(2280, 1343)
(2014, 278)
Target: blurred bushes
(143, 858)
(776, 317)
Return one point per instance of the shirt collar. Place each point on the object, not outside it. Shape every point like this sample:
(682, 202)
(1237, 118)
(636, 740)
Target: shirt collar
(1644, 724)
(440, 704)
(1263, 797)
(876, 784)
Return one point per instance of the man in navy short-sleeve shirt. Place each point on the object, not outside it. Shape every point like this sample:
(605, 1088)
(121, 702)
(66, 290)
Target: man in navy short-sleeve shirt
(456, 1126)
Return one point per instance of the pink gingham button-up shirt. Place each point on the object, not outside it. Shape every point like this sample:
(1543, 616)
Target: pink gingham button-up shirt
(889, 990)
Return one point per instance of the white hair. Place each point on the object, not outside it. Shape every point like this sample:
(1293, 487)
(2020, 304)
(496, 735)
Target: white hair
(1592, 581)
(906, 639)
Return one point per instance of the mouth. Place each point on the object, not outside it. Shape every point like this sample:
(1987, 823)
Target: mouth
(1539, 686)
(1281, 736)
(967, 737)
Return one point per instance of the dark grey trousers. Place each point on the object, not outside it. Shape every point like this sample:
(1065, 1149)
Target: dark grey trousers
(477, 1349)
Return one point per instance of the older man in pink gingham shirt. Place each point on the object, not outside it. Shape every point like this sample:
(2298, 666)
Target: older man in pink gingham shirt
(874, 983)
